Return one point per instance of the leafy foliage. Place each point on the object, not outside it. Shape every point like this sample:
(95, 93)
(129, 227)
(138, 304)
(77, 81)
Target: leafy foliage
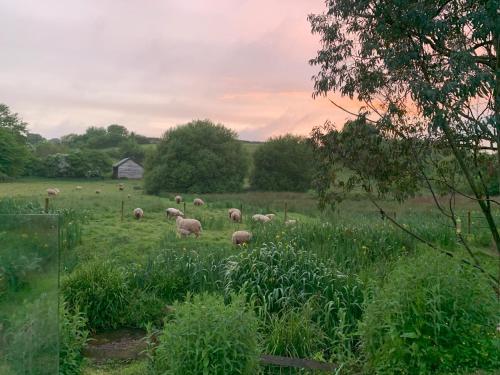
(73, 338)
(198, 157)
(431, 315)
(13, 146)
(205, 336)
(283, 163)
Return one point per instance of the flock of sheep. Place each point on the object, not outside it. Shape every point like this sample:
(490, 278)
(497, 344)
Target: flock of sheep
(186, 226)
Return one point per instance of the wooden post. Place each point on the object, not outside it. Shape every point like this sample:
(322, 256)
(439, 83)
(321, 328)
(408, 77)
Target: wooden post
(241, 210)
(46, 205)
(469, 222)
(123, 206)
(286, 210)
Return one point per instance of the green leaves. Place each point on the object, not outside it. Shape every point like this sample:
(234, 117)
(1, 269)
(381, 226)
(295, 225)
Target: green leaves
(199, 157)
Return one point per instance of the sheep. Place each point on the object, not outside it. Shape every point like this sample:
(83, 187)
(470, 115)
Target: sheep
(57, 190)
(138, 213)
(261, 218)
(178, 199)
(270, 216)
(52, 192)
(121, 187)
(198, 202)
(185, 227)
(174, 212)
(234, 214)
(291, 222)
(98, 191)
(79, 188)
(240, 237)
(129, 196)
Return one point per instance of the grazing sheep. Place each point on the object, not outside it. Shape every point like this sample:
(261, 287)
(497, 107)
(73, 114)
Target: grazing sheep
(261, 218)
(138, 213)
(52, 192)
(174, 212)
(291, 222)
(271, 216)
(98, 191)
(121, 186)
(128, 195)
(79, 188)
(240, 237)
(234, 214)
(57, 190)
(178, 199)
(198, 202)
(185, 227)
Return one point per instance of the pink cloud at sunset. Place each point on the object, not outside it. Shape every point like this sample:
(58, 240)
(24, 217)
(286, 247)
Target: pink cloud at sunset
(153, 65)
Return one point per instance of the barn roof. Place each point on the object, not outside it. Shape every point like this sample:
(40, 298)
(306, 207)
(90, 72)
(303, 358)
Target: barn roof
(123, 161)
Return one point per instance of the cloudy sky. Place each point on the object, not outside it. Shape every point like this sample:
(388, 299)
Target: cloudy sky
(151, 65)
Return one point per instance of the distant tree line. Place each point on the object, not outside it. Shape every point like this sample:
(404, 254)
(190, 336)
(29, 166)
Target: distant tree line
(74, 155)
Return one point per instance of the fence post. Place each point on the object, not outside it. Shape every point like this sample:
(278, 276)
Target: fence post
(46, 205)
(468, 222)
(123, 206)
(286, 211)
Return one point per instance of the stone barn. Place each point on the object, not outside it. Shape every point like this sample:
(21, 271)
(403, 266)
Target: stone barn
(128, 168)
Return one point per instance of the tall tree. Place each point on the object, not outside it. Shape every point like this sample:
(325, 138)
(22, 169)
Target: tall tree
(13, 144)
(426, 70)
(283, 163)
(200, 157)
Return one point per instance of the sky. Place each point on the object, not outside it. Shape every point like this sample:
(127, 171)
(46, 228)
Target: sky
(151, 65)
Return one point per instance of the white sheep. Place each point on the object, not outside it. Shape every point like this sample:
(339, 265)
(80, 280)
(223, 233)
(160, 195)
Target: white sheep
(240, 237)
(138, 213)
(271, 216)
(185, 227)
(57, 190)
(52, 192)
(174, 212)
(260, 218)
(121, 186)
(178, 199)
(79, 187)
(198, 202)
(291, 222)
(234, 215)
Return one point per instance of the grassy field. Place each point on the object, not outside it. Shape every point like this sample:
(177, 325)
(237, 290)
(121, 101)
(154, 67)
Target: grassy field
(352, 239)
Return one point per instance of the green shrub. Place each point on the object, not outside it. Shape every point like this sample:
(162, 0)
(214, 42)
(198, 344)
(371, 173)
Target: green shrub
(278, 277)
(432, 315)
(73, 337)
(206, 336)
(101, 291)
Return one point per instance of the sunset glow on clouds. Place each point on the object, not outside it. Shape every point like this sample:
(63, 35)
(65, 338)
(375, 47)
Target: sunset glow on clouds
(156, 64)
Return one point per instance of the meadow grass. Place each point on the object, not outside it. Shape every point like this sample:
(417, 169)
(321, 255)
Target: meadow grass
(160, 267)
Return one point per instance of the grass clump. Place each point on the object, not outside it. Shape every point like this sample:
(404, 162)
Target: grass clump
(100, 290)
(206, 336)
(432, 315)
(278, 277)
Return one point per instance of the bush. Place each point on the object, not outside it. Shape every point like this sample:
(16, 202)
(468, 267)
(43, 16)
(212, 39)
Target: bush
(278, 277)
(206, 336)
(432, 315)
(284, 163)
(100, 290)
(73, 338)
(200, 157)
